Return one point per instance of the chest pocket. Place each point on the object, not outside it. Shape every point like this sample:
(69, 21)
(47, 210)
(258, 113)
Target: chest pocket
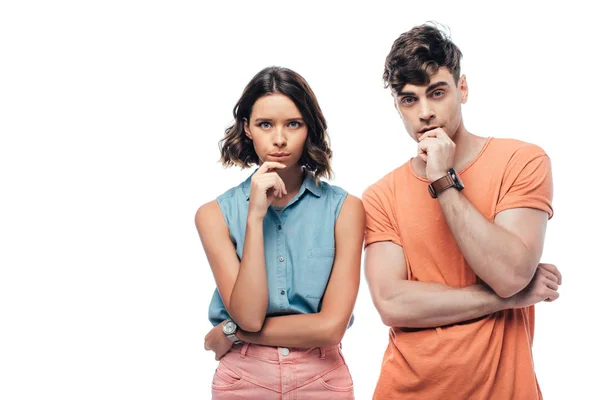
(319, 265)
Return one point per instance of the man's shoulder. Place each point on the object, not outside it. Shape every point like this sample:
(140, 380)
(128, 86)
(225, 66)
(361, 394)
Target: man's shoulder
(389, 181)
(510, 148)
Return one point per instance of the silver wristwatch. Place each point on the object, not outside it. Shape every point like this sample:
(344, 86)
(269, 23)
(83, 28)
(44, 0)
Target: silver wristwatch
(229, 329)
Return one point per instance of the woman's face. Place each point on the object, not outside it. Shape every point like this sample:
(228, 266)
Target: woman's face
(277, 129)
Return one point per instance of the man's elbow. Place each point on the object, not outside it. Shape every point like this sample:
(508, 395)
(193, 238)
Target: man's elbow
(515, 282)
(506, 290)
(389, 313)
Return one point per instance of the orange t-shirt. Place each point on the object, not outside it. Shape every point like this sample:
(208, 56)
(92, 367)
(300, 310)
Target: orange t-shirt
(490, 357)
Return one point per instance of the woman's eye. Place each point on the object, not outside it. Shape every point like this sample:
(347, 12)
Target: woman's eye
(295, 124)
(265, 125)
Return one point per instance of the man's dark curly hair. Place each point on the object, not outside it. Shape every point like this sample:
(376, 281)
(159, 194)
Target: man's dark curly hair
(419, 53)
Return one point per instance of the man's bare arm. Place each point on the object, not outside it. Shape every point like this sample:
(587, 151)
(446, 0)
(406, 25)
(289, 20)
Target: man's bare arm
(411, 304)
(503, 254)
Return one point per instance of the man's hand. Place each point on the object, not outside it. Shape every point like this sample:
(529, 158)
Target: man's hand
(436, 149)
(543, 287)
(216, 341)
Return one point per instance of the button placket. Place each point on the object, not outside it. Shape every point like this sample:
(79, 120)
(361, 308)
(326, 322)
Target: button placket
(281, 267)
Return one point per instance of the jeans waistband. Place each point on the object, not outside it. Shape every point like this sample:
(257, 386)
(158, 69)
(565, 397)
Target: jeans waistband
(273, 353)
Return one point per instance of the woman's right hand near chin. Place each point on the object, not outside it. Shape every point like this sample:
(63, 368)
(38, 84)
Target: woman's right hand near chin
(265, 186)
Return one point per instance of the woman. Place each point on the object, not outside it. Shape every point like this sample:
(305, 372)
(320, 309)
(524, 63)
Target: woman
(284, 249)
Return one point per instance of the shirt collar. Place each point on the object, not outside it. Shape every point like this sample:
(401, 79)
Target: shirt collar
(309, 183)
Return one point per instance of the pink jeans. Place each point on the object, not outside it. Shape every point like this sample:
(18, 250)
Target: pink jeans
(251, 372)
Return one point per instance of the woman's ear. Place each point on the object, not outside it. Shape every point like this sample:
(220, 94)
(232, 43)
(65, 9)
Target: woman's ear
(247, 129)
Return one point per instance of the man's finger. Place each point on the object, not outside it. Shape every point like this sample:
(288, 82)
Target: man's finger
(551, 284)
(436, 133)
(552, 296)
(553, 270)
(550, 276)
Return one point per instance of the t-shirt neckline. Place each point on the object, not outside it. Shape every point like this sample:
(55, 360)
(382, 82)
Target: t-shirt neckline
(485, 146)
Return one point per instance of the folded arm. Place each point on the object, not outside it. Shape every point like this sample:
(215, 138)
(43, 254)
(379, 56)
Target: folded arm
(411, 304)
(328, 326)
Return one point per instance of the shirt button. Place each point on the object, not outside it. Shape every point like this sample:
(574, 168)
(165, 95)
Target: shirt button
(281, 259)
(278, 227)
(285, 351)
(282, 292)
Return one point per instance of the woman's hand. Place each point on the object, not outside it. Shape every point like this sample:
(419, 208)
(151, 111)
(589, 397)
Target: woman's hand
(266, 185)
(216, 341)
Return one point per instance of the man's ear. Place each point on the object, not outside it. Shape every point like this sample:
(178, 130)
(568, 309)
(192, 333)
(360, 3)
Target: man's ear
(464, 89)
(247, 129)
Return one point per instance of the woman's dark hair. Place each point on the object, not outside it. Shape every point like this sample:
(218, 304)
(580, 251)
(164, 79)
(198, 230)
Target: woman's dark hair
(237, 149)
(419, 53)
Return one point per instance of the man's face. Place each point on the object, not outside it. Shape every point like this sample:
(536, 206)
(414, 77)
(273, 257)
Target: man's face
(437, 105)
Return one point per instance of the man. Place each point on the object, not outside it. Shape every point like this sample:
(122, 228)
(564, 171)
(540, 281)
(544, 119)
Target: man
(453, 241)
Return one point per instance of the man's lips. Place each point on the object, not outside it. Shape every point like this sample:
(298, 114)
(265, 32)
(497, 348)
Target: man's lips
(428, 128)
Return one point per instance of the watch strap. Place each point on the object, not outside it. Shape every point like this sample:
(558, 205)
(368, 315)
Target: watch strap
(234, 338)
(439, 185)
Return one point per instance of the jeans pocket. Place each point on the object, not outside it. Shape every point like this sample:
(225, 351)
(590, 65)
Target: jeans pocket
(225, 378)
(338, 380)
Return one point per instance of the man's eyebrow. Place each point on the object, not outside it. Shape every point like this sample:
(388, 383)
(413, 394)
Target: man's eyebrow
(437, 85)
(429, 89)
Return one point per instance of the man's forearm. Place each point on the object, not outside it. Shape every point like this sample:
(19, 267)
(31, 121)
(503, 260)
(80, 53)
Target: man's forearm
(301, 330)
(427, 305)
(497, 256)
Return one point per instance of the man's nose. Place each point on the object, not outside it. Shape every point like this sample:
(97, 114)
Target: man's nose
(426, 112)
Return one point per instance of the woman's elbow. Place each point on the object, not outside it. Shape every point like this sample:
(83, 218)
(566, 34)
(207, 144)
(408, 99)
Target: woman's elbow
(250, 325)
(333, 332)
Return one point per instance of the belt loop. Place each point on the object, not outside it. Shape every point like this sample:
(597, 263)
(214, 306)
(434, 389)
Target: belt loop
(322, 357)
(244, 350)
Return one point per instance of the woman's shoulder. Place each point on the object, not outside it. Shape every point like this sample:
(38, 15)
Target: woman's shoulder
(241, 190)
(331, 190)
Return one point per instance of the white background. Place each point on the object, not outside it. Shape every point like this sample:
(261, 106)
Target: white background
(110, 114)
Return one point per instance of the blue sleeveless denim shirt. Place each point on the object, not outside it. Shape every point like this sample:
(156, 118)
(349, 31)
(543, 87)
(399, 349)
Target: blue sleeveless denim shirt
(299, 246)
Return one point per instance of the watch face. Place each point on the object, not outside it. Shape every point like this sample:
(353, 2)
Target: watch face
(229, 327)
(457, 182)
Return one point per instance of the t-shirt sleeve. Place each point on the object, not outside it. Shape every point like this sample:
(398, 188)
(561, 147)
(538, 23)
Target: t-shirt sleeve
(380, 225)
(527, 181)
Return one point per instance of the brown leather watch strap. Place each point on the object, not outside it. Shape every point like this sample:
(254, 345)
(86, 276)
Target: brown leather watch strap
(438, 186)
